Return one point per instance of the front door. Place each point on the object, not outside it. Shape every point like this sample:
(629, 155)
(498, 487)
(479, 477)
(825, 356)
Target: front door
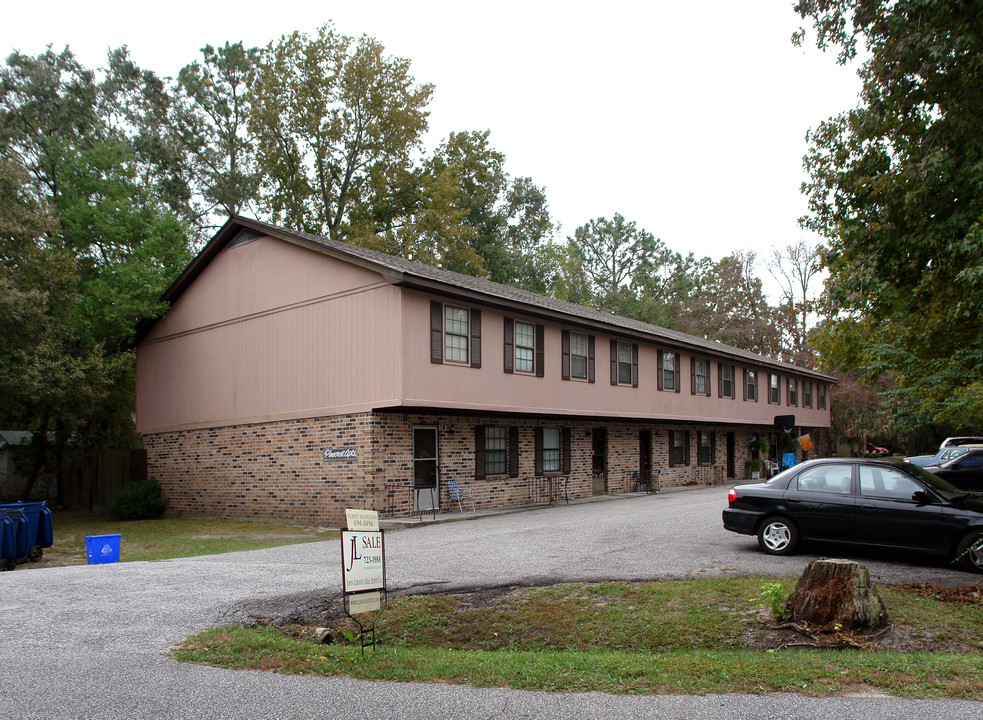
(599, 462)
(426, 489)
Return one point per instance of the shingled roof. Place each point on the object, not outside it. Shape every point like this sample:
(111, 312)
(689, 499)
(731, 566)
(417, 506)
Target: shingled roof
(416, 275)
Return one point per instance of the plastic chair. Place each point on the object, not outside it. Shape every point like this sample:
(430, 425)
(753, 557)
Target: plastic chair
(458, 494)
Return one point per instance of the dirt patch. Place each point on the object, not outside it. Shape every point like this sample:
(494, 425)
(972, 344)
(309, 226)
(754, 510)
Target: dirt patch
(969, 595)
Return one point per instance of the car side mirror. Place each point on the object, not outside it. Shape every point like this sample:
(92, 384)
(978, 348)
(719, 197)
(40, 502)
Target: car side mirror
(921, 497)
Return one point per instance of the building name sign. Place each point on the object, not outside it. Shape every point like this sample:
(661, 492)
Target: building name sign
(341, 453)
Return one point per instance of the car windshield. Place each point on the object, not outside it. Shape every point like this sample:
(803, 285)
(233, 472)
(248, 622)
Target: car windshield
(943, 488)
(952, 453)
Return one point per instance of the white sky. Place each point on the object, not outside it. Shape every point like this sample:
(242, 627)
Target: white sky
(688, 118)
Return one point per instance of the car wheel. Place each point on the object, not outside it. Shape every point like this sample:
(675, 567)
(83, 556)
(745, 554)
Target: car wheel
(969, 556)
(778, 536)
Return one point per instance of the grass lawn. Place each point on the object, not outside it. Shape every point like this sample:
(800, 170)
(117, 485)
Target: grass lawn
(686, 637)
(168, 538)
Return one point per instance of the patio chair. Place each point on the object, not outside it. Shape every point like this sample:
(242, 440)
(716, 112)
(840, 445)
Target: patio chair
(458, 494)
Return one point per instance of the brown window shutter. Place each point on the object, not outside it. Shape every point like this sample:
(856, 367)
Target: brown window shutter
(614, 362)
(476, 338)
(538, 435)
(479, 452)
(709, 376)
(660, 380)
(565, 346)
(692, 376)
(509, 344)
(713, 447)
(634, 365)
(540, 351)
(677, 373)
(720, 379)
(590, 358)
(513, 452)
(686, 456)
(565, 450)
(436, 332)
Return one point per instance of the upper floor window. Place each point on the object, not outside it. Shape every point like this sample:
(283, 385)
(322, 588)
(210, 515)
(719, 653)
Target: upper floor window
(624, 363)
(807, 393)
(455, 334)
(792, 391)
(700, 378)
(751, 385)
(774, 389)
(578, 356)
(725, 381)
(821, 396)
(525, 347)
(668, 371)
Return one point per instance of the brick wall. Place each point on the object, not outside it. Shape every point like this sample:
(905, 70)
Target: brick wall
(278, 470)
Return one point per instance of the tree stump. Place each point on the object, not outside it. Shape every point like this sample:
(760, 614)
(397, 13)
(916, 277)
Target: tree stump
(836, 595)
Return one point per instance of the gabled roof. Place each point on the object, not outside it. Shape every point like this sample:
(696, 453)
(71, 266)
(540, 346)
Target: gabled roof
(426, 278)
(14, 437)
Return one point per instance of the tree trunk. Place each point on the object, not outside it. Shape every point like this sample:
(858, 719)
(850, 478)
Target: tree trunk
(836, 595)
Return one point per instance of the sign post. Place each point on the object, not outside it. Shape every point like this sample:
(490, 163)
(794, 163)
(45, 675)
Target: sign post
(363, 571)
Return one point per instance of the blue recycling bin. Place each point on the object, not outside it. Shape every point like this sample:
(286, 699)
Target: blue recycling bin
(21, 527)
(8, 548)
(102, 549)
(33, 528)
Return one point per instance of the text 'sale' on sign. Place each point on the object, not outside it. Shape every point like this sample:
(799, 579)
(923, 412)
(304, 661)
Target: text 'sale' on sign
(805, 442)
(362, 554)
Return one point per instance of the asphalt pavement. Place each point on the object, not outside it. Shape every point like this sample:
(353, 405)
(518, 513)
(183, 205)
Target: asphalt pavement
(91, 641)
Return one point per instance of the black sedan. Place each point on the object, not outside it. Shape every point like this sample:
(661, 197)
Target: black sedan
(871, 503)
(964, 471)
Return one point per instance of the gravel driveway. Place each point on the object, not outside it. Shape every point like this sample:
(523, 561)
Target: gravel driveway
(89, 641)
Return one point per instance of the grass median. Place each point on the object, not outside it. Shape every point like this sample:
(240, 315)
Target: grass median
(684, 637)
(168, 538)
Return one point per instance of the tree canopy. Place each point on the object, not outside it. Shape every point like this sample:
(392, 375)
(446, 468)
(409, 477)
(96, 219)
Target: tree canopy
(896, 189)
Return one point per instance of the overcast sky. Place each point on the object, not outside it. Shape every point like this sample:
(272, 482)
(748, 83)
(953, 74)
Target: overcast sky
(688, 118)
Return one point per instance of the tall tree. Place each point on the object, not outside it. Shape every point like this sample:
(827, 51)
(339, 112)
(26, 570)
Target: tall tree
(728, 304)
(336, 122)
(896, 188)
(795, 267)
(509, 217)
(612, 252)
(215, 96)
(88, 244)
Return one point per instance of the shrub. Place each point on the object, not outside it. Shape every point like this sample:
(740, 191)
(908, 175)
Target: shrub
(139, 500)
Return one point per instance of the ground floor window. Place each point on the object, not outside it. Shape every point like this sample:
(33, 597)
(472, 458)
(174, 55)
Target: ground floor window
(496, 450)
(679, 450)
(705, 450)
